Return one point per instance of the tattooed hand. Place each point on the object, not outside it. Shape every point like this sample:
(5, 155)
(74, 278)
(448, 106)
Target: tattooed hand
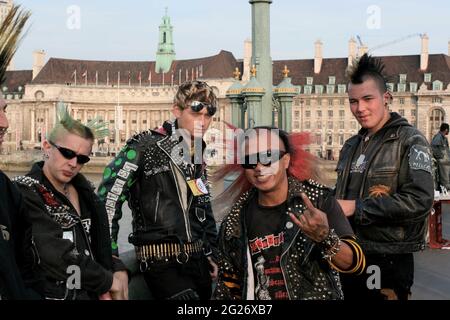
(313, 222)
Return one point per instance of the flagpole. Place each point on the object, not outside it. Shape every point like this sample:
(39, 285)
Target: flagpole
(75, 77)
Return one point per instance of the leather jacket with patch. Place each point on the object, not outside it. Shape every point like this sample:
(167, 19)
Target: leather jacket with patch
(65, 240)
(307, 275)
(151, 173)
(392, 221)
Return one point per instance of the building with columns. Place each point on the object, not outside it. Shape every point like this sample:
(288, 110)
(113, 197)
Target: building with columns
(136, 96)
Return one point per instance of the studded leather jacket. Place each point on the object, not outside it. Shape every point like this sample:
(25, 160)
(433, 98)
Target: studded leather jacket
(307, 275)
(396, 193)
(151, 173)
(66, 240)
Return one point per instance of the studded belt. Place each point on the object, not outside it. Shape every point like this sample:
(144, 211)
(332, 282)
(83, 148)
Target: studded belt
(165, 252)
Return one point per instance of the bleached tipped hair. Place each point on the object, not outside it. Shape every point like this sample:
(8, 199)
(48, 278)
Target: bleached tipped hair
(94, 129)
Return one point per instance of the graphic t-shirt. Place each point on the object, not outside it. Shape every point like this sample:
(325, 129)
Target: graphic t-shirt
(266, 235)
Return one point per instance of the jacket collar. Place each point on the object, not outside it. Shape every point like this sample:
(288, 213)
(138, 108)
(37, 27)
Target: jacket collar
(177, 149)
(234, 221)
(79, 181)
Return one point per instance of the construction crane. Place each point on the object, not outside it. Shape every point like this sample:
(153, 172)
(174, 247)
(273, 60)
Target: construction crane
(390, 42)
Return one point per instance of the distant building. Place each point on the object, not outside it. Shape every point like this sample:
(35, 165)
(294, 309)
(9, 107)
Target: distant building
(133, 96)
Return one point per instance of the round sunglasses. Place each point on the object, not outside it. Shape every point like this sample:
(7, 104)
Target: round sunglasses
(70, 154)
(266, 158)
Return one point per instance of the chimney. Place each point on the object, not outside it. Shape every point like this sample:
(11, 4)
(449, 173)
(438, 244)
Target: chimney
(38, 62)
(351, 51)
(362, 50)
(318, 57)
(424, 53)
(247, 59)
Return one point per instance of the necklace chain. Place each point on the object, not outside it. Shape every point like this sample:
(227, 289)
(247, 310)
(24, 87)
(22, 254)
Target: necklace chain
(66, 190)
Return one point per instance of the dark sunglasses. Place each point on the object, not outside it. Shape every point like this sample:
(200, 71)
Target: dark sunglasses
(198, 106)
(266, 158)
(70, 154)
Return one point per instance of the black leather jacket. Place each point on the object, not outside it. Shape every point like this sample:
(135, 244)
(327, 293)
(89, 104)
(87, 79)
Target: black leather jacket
(306, 274)
(65, 239)
(18, 256)
(400, 164)
(151, 173)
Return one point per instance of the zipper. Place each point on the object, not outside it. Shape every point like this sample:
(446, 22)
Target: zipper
(186, 220)
(156, 207)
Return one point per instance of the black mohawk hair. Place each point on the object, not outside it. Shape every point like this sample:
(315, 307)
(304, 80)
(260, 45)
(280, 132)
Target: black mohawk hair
(368, 66)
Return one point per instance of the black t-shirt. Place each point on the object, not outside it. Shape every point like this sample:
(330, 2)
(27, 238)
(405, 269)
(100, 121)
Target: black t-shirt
(266, 234)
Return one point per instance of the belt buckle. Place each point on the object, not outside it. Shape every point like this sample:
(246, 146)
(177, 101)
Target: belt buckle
(143, 266)
(182, 257)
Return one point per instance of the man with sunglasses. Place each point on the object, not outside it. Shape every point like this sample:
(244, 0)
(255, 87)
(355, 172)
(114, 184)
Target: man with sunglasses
(70, 223)
(162, 175)
(286, 236)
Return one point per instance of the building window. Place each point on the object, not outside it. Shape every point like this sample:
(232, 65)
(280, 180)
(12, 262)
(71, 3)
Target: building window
(330, 125)
(341, 125)
(297, 114)
(427, 77)
(296, 102)
(436, 100)
(133, 121)
(309, 81)
(319, 102)
(112, 121)
(318, 139)
(329, 139)
(144, 121)
(319, 124)
(413, 112)
(342, 88)
(307, 102)
(330, 89)
(437, 85)
(401, 112)
(330, 102)
(330, 113)
(402, 78)
(401, 87)
(308, 89)
(307, 114)
(401, 100)
(332, 80)
(341, 101)
(296, 125)
(319, 113)
(307, 124)
(341, 140)
(413, 87)
(341, 114)
(353, 125)
(318, 89)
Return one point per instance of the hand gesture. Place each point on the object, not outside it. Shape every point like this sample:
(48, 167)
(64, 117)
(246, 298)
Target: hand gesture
(313, 222)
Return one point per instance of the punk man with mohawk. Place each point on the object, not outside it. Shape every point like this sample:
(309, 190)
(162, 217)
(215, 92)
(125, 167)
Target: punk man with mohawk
(385, 186)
